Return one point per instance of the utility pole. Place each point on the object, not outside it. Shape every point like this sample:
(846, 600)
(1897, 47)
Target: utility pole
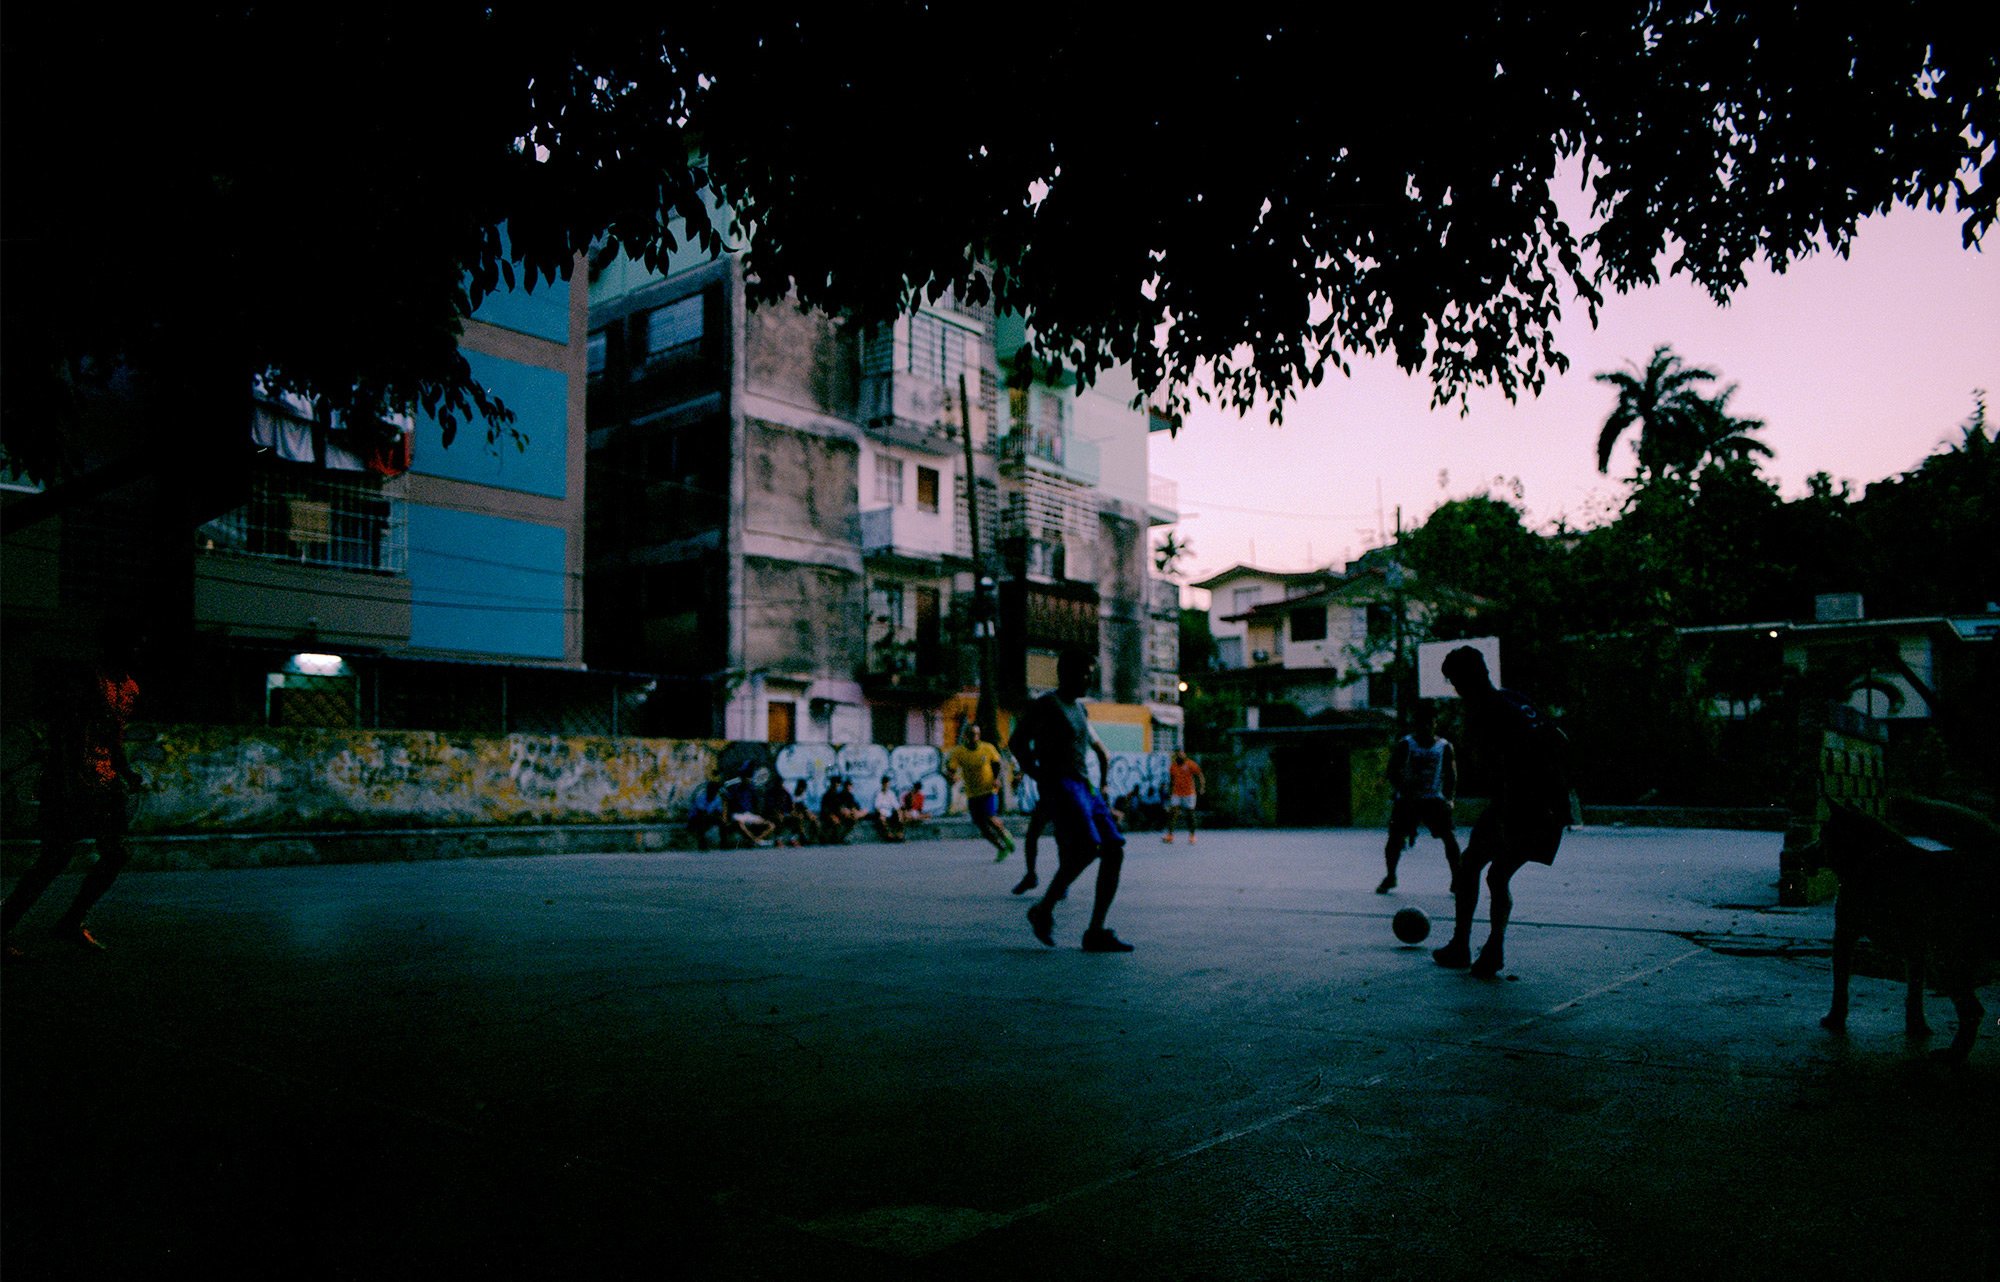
(1395, 577)
(985, 610)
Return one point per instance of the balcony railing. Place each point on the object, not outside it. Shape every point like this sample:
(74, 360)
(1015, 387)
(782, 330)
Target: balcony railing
(914, 667)
(908, 532)
(304, 516)
(1060, 453)
(1163, 492)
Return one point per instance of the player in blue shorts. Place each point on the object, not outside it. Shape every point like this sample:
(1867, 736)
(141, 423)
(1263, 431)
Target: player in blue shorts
(1050, 744)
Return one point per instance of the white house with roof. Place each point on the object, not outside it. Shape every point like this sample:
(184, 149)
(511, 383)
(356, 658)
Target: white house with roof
(1240, 589)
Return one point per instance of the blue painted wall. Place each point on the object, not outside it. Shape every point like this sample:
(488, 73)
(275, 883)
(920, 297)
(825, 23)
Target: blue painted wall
(543, 313)
(540, 401)
(485, 584)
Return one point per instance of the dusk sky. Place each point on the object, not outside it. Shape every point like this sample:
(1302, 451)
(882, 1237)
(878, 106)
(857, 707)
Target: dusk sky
(1858, 367)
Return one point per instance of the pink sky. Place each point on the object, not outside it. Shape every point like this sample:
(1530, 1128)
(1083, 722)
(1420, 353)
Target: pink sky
(1858, 367)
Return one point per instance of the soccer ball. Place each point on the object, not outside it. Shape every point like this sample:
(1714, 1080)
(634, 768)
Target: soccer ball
(1410, 925)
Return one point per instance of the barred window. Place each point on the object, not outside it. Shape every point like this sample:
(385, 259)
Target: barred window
(939, 350)
(357, 522)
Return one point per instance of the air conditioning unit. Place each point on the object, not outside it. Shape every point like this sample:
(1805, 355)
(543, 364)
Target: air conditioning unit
(1260, 656)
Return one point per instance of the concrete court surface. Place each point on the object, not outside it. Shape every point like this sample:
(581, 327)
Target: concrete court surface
(858, 1063)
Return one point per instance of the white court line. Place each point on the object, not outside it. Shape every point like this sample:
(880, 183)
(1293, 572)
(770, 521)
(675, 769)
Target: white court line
(1299, 1110)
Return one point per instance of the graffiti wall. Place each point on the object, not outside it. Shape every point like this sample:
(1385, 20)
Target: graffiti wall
(207, 778)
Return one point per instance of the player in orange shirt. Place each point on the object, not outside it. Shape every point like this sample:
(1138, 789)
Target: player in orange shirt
(1184, 787)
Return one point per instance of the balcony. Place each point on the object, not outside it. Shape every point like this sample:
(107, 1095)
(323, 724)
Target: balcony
(914, 670)
(1056, 453)
(908, 534)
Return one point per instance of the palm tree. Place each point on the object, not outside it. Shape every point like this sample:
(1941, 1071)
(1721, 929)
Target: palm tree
(1663, 401)
(1167, 557)
(1719, 435)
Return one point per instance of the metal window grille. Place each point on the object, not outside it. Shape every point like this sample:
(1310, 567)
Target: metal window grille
(939, 350)
(311, 517)
(878, 350)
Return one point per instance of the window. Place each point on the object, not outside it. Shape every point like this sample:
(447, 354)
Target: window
(594, 352)
(888, 480)
(1245, 599)
(1043, 414)
(1309, 623)
(1046, 557)
(885, 604)
(296, 514)
(927, 488)
(1381, 623)
(673, 329)
(939, 350)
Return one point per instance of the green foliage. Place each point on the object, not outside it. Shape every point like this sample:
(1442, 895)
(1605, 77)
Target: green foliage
(1211, 711)
(316, 191)
(1476, 569)
(1588, 621)
(1197, 642)
(1927, 538)
(1680, 430)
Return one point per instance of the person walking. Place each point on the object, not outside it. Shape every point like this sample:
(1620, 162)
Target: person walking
(984, 771)
(1050, 744)
(1184, 789)
(1523, 751)
(86, 790)
(1423, 780)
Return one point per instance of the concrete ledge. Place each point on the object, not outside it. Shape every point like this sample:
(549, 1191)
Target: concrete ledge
(1743, 818)
(182, 852)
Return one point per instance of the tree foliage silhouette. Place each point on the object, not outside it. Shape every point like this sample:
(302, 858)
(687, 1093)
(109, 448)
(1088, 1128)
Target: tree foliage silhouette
(1232, 208)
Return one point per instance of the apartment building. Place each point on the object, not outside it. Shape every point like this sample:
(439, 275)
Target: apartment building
(309, 579)
(786, 506)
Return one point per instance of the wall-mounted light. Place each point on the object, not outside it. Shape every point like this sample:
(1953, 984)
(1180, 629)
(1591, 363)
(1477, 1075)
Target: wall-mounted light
(317, 665)
(1183, 687)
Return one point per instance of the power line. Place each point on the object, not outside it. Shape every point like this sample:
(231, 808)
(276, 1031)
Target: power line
(1293, 516)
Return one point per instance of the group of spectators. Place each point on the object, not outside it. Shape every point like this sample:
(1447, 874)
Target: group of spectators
(772, 815)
